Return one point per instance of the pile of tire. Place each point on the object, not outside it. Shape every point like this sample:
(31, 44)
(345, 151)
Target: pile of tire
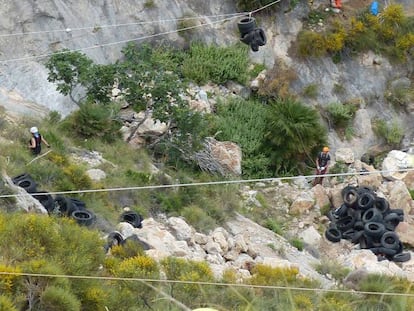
(367, 219)
(59, 205)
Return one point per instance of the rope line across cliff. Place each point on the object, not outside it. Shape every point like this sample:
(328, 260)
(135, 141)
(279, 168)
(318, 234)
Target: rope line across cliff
(107, 278)
(220, 182)
(231, 16)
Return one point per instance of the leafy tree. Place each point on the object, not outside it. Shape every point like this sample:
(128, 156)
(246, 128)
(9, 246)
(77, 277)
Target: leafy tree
(69, 70)
(293, 133)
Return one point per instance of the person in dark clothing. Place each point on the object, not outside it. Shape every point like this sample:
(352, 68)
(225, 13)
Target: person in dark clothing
(35, 144)
(322, 163)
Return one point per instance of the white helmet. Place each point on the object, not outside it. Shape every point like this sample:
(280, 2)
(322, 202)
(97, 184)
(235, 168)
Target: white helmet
(33, 130)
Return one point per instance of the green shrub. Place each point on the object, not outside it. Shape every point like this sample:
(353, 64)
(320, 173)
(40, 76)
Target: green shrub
(298, 243)
(244, 122)
(311, 43)
(58, 299)
(311, 91)
(186, 26)
(93, 120)
(6, 304)
(391, 133)
(216, 64)
(273, 225)
(341, 114)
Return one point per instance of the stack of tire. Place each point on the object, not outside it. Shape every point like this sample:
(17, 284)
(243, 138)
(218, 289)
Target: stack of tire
(250, 34)
(367, 219)
(59, 205)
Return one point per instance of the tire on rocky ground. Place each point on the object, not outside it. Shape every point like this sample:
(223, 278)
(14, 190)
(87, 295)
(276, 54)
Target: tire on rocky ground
(132, 218)
(401, 257)
(372, 215)
(83, 217)
(381, 204)
(374, 229)
(65, 205)
(365, 200)
(27, 184)
(390, 240)
(17, 178)
(333, 234)
(350, 196)
(345, 223)
(45, 199)
(391, 221)
(115, 238)
(79, 204)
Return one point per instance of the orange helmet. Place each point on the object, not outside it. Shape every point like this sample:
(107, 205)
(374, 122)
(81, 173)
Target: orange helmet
(325, 149)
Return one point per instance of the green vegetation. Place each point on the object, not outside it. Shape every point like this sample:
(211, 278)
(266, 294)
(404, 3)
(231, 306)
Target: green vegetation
(341, 114)
(311, 91)
(216, 64)
(391, 132)
(390, 33)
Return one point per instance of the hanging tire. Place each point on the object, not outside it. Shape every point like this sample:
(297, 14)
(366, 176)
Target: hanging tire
(260, 36)
(254, 46)
(372, 215)
(374, 229)
(333, 234)
(365, 200)
(133, 218)
(349, 196)
(381, 204)
(83, 217)
(390, 240)
(401, 257)
(27, 184)
(246, 25)
(45, 199)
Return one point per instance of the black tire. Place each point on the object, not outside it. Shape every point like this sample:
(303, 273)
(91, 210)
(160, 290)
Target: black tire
(247, 38)
(45, 199)
(254, 46)
(17, 178)
(383, 251)
(345, 223)
(365, 242)
(350, 196)
(398, 211)
(83, 217)
(65, 205)
(401, 257)
(341, 211)
(372, 215)
(333, 234)
(374, 229)
(365, 189)
(260, 36)
(381, 204)
(349, 234)
(246, 25)
(133, 218)
(79, 204)
(391, 221)
(357, 236)
(365, 200)
(390, 240)
(346, 189)
(359, 225)
(115, 238)
(331, 216)
(27, 184)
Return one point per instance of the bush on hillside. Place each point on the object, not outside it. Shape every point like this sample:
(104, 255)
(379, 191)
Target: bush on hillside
(216, 64)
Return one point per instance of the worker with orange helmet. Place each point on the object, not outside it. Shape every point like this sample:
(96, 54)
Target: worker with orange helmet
(322, 163)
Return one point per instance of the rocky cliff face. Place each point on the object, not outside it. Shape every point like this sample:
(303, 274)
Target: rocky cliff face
(32, 30)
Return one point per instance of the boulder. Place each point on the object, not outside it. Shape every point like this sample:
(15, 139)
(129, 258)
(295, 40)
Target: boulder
(344, 155)
(180, 229)
(394, 164)
(302, 204)
(399, 196)
(96, 174)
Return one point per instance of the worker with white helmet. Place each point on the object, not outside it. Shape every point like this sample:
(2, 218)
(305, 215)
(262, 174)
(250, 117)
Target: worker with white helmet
(35, 143)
